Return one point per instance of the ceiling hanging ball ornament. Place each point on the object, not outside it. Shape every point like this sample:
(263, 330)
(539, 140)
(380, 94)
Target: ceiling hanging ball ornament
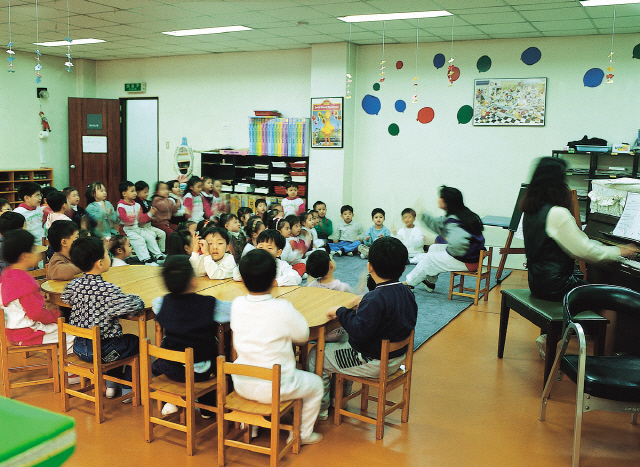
(376, 86)
(371, 104)
(465, 113)
(484, 64)
(425, 115)
(394, 129)
(531, 56)
(399, 65)
(438, 61)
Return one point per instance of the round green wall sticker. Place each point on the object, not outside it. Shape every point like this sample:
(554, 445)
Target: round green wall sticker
(376, 86)
(464, 114)
(484, 63)
(394, 129)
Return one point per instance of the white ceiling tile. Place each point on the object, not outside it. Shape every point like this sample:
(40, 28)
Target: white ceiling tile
(511, 28)
(494, 18)
(568, 25)
(565, 13)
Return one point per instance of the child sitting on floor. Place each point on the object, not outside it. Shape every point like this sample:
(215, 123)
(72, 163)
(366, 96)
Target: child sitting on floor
(120, 249)
(102, 216)
(215, 260)
(58, 203)
(273, 241)
(296, 247)
(324, 227)
(76, 213)
(321, 266)
(29, 193)
(264, 330)
(292, 205)
(146, 207)
(376, 231)
(27, 320)
(237, 238)
(387, 312)
(411, 236)
(188, 320)
(61, 236)
(94, 301)
(348, 234)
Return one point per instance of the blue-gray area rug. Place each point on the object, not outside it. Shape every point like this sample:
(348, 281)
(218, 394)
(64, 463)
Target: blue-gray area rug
(435, 310)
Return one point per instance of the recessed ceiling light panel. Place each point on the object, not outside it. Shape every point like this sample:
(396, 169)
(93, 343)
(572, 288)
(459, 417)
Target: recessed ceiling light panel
(199, 32)
(73, 42)
(607, 2)
(393, 16)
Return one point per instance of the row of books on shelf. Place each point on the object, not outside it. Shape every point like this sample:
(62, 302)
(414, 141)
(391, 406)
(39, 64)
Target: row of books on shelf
(272, 136)
(237, 201)
(260, 190)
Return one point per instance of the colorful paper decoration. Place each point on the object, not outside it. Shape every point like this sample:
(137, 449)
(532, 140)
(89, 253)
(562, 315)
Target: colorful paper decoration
(401, 105)
(394, 129)
(636, 51)
(610, 67)
(414, 97)
(531, 56)
(593, 77)
(9, 45)
(438, 61)
(371, 104)
(465, 113)
(425, 115)
(38, 66)
(453, 73)
(382, 67)
(484, 64)
(68, 64)
(376, 86)
(399, 65)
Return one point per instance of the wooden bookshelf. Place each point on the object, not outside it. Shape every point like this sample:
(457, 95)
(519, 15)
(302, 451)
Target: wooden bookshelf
(10, 180)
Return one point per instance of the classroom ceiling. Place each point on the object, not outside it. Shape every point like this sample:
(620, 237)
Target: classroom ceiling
(132, 28)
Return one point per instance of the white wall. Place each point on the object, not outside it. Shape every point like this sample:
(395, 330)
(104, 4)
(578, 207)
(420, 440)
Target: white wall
(487, 164)
(19, 120)
(198, 93)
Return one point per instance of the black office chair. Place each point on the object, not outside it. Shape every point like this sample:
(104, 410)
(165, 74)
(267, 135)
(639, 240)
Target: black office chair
(603, 383)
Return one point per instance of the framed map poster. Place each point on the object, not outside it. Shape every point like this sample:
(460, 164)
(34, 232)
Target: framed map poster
(509, 102)
(326, 122)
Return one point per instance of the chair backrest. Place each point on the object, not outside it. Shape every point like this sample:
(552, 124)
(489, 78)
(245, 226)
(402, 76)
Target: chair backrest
(40, 275)
(596, 297)
(269, 374)
(3, 336)
(389, 347)
(147, 350)
(93, 334)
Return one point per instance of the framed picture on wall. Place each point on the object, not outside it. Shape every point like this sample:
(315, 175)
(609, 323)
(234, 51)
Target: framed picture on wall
(509, 102)
(326, 122)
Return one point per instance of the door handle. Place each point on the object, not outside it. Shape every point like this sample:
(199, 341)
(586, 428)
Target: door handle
(73, 166)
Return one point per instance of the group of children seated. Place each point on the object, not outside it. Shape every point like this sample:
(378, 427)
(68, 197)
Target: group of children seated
(223, 246)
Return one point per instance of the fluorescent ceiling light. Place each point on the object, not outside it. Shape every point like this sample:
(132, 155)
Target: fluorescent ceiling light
(73, 42)
(607, 2)
(198, 32)
(392, 16)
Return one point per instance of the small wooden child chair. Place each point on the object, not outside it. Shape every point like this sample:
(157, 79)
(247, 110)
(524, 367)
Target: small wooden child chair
(482, 272)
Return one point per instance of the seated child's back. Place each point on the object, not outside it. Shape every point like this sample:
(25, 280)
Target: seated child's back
(321, 266)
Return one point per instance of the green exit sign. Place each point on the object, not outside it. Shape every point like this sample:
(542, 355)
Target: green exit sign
(135, 87)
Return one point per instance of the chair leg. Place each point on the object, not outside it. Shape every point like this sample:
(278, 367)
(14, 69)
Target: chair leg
(364, 398)
(477, 291)
(453, 275)
(406, 395)
(382, 398)
(191, 428)
(461, 289)
(53, 364)
(552, 376)
(275, 438)
(297, 419)
(98, 395)
(135, 381)
(4, 371)
(148, 426)
(337, 417)
(222, 434)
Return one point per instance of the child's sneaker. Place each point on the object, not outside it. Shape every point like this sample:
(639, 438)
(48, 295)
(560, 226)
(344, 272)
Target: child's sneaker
(313, 439)
(168, 409)
(111, 392)
(149, 262)
(429, 286)
(338, 253)
(73, 379)
(323, 415)
(363, 256)
(350, 253)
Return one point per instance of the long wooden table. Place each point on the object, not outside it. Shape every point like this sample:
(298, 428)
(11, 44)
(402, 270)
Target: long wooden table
(147, 282)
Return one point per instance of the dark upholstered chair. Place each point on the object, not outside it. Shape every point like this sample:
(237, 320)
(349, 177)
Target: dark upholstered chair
(603, 383)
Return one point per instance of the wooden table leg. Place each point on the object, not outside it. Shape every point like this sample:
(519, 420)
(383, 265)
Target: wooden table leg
(320, 351)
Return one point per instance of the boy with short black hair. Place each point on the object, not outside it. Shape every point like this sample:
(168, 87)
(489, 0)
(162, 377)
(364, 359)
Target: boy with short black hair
(31, 196)
(215, 260)
(273, 241)
(264, 330)
(57, 202)
(188, 320)
(9, 220)
(411, 236)
(322, 266)
(325, 226)
(27, 319)
(387, 312)
(348, 234)
(94, 301)
(376, 231)
(76, 213)
(61, 236)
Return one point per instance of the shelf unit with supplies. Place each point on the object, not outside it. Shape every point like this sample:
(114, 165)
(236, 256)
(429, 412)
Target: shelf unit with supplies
(10, 180)
(586, 166)
(251, 176)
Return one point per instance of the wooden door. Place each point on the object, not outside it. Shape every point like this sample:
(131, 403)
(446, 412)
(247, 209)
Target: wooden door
(87, 167)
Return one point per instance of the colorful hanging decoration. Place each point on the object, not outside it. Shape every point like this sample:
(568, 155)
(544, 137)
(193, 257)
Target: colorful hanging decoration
(68, 64)
(38, 66)
(394, 129)
(400, 105)
(531, 56)
(382, 67)
(371, 104)
(425, 115)
(414, 98)
(376, 86)
(611, 67)
(593, 77)
(9, 45)
(464, 114)
(438, 61)
(348, 93)
(451, 69)
(399, 65)
(484, 63)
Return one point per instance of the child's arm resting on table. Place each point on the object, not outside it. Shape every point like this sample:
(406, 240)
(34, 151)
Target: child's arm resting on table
(35, 310)
(121, 304)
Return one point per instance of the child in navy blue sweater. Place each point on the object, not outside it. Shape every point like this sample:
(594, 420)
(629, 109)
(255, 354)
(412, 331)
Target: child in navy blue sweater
(387, 312)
